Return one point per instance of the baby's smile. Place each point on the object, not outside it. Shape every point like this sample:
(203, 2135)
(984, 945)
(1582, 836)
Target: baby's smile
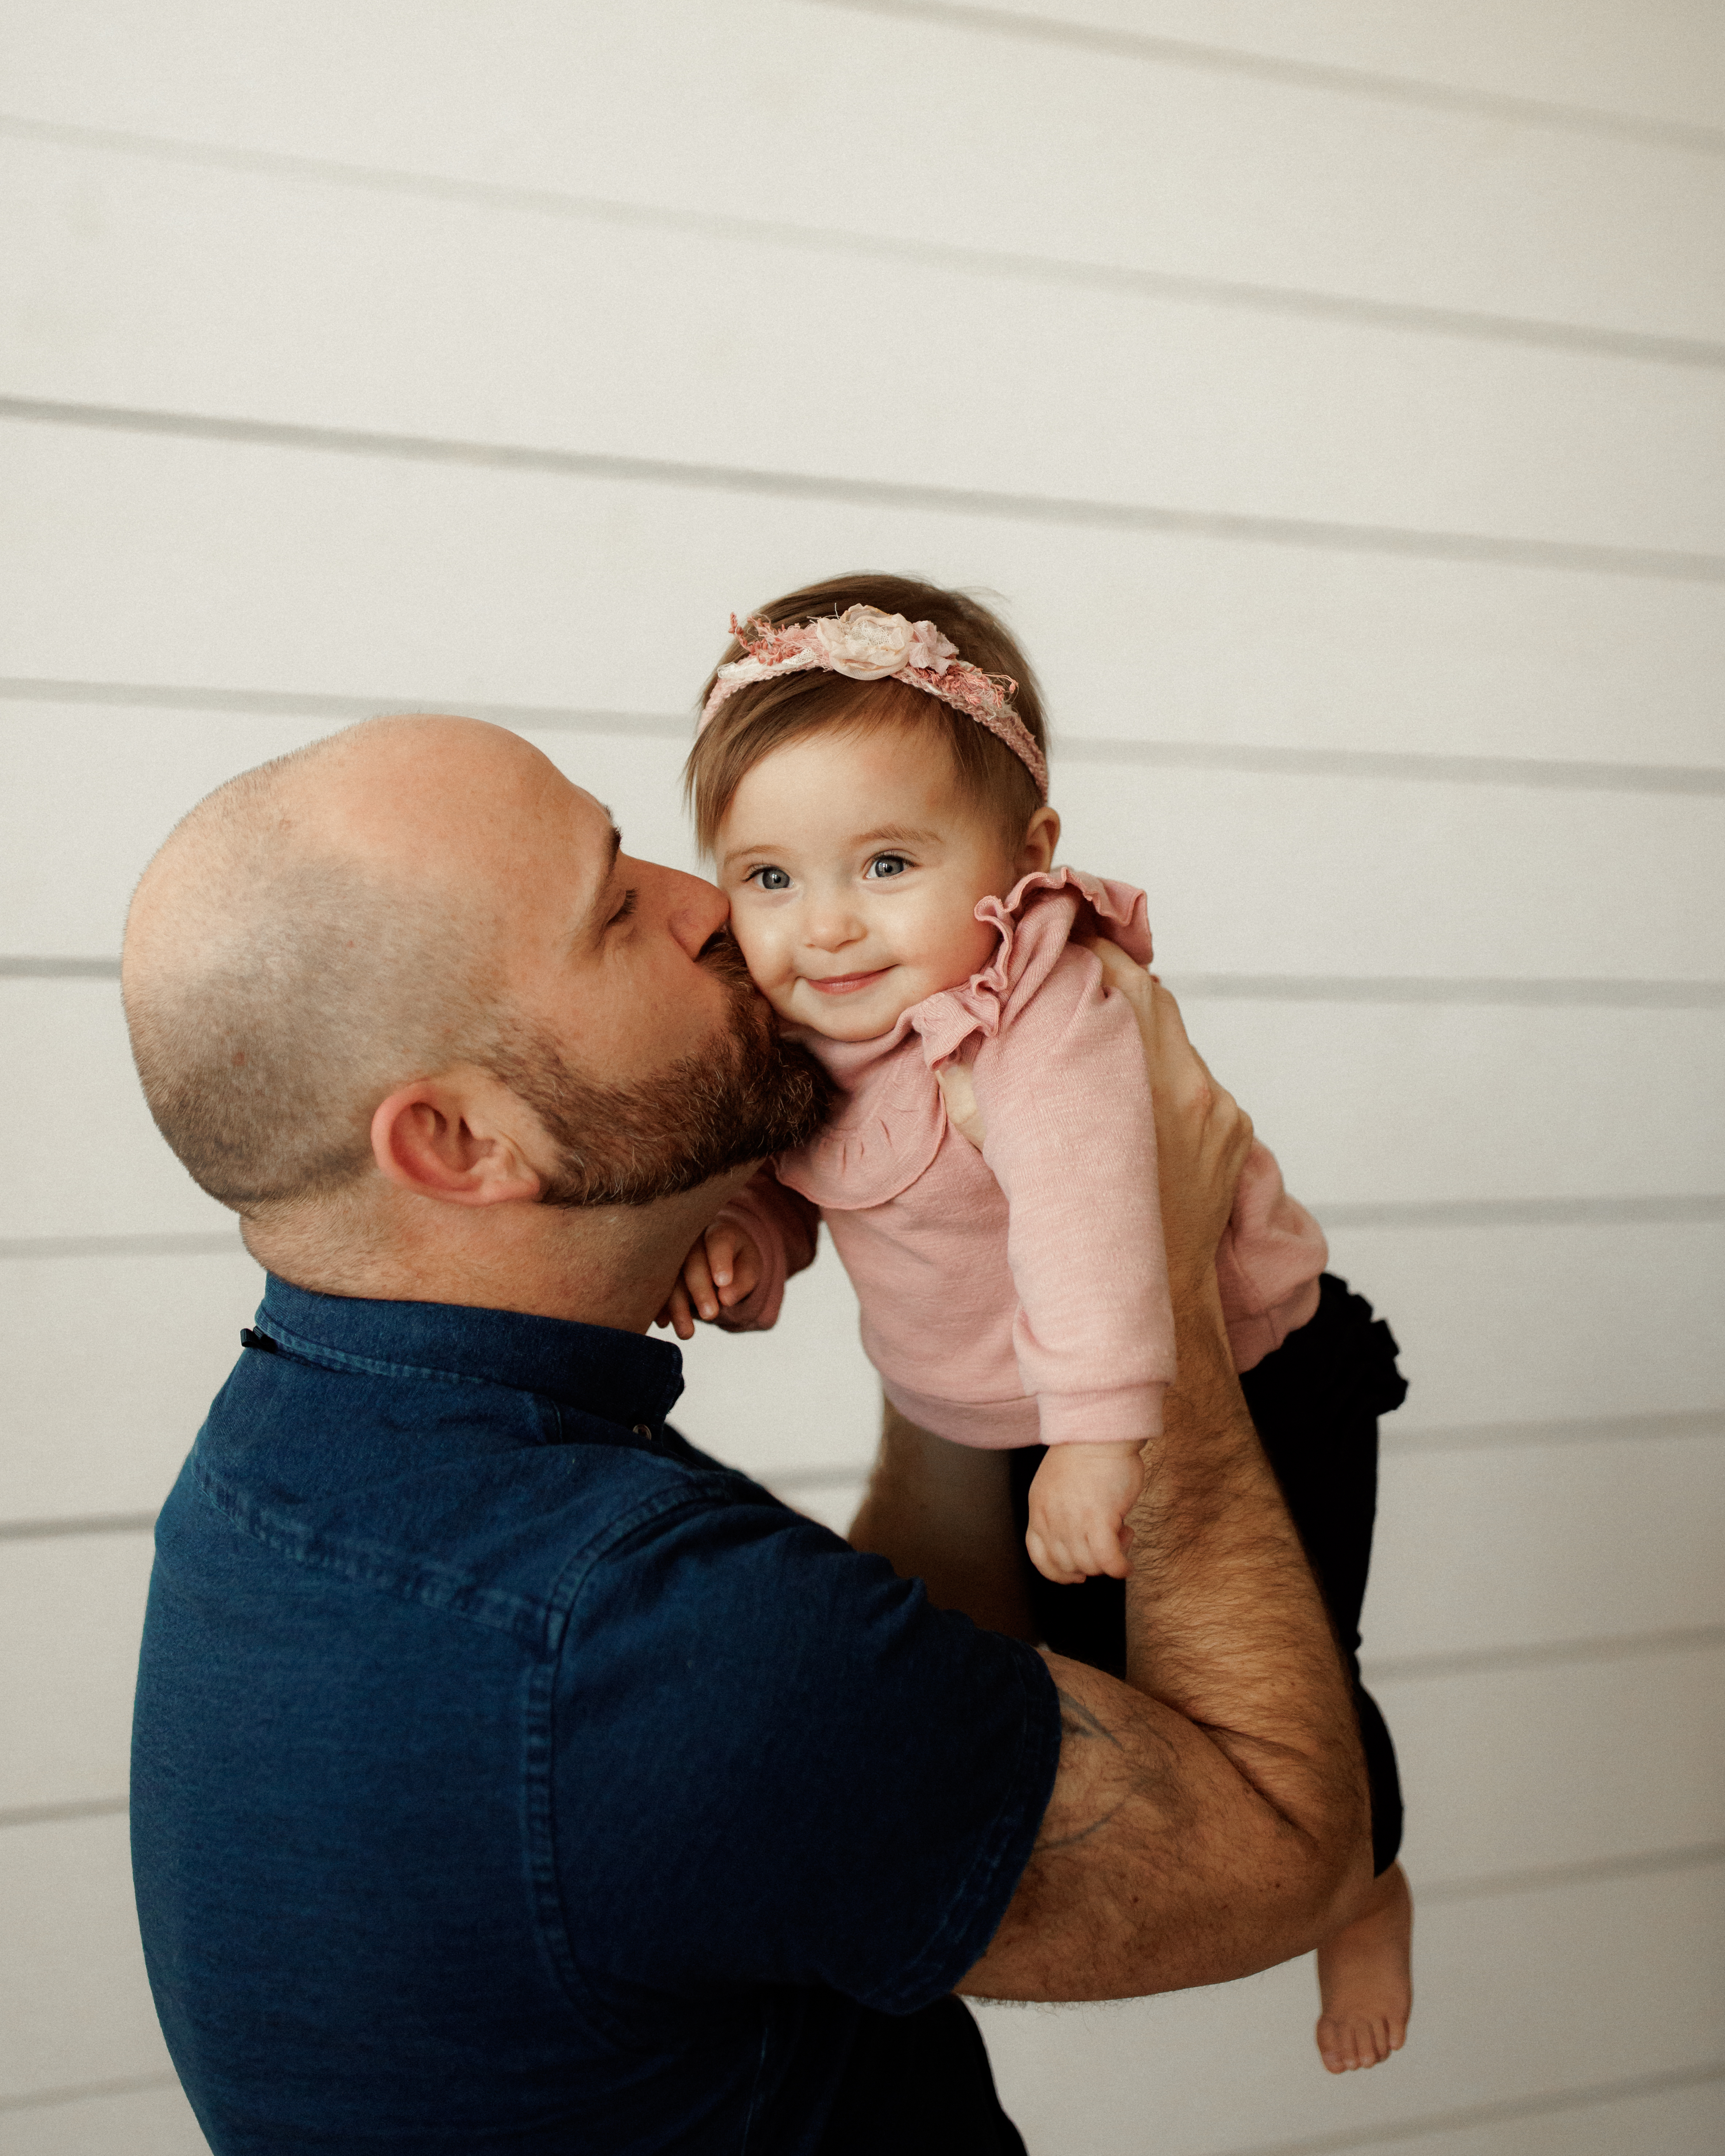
(854, 863)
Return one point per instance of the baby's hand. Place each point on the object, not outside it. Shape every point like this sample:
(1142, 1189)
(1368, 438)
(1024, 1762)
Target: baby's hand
(1079, 1497)
(723, 1267)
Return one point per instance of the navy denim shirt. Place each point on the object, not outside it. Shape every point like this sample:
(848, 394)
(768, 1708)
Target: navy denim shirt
(508, 1774)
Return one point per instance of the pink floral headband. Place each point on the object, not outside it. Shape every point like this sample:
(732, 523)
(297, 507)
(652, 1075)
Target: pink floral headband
(865, 644)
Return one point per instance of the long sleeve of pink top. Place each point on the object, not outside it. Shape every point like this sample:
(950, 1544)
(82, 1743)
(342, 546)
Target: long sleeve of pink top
(1021, 1292)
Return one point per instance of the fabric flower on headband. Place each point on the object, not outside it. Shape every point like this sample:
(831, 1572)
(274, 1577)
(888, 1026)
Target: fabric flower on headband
(865, 644)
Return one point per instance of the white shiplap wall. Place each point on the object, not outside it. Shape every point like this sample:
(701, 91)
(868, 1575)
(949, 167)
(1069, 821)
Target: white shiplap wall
(1333, 393)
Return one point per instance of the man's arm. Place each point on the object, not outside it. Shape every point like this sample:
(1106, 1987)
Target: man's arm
(1209, 1816)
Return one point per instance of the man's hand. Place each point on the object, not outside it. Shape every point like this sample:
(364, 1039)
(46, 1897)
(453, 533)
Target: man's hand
(723, 1268)
(1203, 1135)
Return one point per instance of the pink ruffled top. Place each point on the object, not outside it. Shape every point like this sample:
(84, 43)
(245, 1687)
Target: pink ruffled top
(1019, 1292)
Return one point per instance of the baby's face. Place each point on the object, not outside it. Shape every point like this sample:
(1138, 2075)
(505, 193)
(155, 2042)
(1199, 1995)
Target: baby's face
(853, 866)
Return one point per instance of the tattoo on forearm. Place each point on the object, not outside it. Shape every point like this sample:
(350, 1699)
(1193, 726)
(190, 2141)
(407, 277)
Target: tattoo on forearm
(1076, 1720)
(1078, 1725)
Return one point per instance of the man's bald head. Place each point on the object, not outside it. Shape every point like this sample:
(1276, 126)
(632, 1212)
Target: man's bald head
(305, 940)
(413, 898)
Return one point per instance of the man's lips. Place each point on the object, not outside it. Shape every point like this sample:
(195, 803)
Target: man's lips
(845, 984)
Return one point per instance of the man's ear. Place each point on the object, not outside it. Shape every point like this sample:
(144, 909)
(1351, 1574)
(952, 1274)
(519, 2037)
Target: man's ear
(462, 1136)
(1042, 834)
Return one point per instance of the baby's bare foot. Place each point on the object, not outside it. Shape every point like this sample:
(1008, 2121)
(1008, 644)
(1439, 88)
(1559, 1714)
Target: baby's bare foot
(1365, 1979)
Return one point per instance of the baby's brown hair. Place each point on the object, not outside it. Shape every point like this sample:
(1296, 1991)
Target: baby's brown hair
(764, 716)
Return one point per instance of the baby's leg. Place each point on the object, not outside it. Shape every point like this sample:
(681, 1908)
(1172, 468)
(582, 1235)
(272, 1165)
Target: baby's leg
(1365, 1979)
(1315, 1403)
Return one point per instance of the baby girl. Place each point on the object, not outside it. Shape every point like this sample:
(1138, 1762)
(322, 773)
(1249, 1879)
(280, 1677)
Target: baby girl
(869, 776)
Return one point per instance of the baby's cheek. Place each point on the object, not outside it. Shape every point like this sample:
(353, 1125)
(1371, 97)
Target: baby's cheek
(765, 956)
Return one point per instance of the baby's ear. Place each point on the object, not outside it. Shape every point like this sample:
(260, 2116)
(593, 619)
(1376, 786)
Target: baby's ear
(1042, 837)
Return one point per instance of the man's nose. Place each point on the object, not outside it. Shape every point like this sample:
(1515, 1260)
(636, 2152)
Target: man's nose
(694, 909)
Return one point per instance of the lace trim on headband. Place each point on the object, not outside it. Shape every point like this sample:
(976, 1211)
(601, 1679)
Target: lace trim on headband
(865, 644)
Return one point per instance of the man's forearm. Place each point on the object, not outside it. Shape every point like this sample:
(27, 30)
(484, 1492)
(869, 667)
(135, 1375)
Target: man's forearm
(1225, 1623)
(1209, 1816)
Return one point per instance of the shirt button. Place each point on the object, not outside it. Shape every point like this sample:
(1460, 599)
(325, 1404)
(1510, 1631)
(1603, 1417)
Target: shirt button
(644, 1429)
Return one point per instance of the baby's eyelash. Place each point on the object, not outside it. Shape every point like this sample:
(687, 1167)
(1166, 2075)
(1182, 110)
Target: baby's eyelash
(763, 869)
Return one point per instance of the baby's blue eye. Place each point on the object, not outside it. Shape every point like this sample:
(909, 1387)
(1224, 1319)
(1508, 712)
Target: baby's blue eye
(770, 879)
(887, 865)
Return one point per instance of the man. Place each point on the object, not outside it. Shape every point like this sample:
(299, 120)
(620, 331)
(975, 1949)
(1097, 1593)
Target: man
(509, 1774)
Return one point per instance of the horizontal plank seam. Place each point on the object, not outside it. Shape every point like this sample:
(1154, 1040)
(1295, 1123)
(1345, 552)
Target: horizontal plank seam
(1299, 302)
(1564, 774)
(75, 1809)
(82, 1523)
(1330, 75)
(1616, 1647)
(1549, 1878)
(1310, 534)
(1228, 987)
(1701, 1209)
(1547, 2103)
(1589, 1429)
(78, 2092)
(213, 1243)
(1677, 1209)
(1417, 988)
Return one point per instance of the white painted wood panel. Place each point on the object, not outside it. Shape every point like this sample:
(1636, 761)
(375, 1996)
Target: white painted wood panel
(1364, 1103)
(1251, 874)
(1541, 1324)
(107, 1368)
(1500, 2016)
(74, 2002)
(145, 2123)
(1687, 2120)
(96, 1165)
(286, 571)
(1536, 1545)
(91, 794)
(143, 284)
(1671, 71)
(1269, 873)
(1516, 1770)
(71, 1613)
(800, 114)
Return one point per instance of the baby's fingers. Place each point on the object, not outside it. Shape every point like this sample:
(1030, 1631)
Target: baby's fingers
(735, 1262)
(698, 1283)
(1052, 1560)
(677, 1314)
(1104, 1553)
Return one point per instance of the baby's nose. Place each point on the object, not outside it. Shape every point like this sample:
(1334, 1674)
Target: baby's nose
(831, 930)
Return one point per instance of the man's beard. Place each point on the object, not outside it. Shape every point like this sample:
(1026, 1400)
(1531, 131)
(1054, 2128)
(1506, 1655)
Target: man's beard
(747, 1093)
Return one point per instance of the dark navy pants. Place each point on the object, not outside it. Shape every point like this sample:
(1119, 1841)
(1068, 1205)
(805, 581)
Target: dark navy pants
(1315, 1402)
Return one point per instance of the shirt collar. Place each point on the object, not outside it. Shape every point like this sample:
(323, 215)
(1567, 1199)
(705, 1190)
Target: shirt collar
(620, 1377)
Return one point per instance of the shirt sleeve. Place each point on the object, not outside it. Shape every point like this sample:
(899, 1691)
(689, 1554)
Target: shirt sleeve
(1072, 1140)
(785, 1229)
(776, 1763)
